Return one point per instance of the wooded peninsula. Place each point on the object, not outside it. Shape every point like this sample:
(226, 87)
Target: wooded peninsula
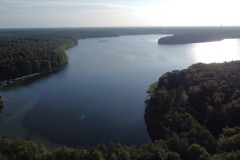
(197, 109)
(199, 35)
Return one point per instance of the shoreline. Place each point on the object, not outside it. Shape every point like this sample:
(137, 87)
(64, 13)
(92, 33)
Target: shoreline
(180, 36)
(11, 82)
(189, 38)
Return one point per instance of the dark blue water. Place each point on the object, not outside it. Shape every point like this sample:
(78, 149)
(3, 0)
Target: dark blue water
(99, 97)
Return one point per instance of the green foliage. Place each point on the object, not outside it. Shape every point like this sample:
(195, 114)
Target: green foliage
(21, 150)
(189, 109)
(96, 155)
(228, 132)
(177, 144)
(27, 55)
(28, 150)
(196, 152)
(231, 111)
(66, 153)
(226, 156)
(229, 140)
(173, 156)
(193, 37)
(152, 151)
(152, 88)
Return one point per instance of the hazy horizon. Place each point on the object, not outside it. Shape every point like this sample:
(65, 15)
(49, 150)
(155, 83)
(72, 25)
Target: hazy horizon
(117, 13)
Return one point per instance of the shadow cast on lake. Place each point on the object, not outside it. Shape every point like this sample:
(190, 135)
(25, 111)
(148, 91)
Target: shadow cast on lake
(29, 81)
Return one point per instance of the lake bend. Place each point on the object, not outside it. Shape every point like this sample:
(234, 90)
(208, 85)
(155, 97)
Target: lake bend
(99, 96)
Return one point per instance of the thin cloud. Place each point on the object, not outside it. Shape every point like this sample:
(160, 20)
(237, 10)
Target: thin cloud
(118, 12)
(26, 4)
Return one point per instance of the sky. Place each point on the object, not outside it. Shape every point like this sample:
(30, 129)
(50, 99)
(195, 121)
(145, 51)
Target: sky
(117, 13)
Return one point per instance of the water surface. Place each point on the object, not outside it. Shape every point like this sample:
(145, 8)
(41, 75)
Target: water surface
(99, 97)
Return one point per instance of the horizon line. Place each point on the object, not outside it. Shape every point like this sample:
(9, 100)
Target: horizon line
(74, 27)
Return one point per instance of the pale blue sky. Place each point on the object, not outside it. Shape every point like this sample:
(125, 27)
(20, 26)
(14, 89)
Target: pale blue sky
(102, 13)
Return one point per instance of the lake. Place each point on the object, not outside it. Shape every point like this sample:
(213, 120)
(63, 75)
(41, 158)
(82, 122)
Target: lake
(99, 96)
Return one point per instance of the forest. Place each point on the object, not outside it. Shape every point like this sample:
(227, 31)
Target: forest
(24, 56)
(23, 53)
(158, 150)
(198, 106)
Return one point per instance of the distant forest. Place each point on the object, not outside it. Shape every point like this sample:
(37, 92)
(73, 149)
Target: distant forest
(28, 51)
(201, 35)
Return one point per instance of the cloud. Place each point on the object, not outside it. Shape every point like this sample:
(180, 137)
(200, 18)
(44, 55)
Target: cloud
(61, 5)
(118, 12)
(61, 12)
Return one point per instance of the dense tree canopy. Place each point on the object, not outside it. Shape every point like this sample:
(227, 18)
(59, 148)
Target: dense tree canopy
(24, 56)
(29, 150)
(195, 37)
(200, 106)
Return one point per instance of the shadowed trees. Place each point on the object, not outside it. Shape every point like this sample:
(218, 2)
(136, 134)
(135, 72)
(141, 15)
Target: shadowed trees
(194, 106)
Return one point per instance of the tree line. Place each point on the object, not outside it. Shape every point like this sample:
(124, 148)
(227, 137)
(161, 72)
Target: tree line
(172, 148)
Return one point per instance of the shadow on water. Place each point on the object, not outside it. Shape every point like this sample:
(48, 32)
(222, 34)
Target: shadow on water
(1, 104)
(18, 99)
(98, 98)
(29, 81)
(65, 127)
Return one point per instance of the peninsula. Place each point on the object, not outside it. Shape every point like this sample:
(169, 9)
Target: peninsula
(191, 38)
(200, 35)
(197, 106)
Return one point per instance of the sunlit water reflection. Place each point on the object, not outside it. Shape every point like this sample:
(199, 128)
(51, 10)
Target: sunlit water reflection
(220, 51)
